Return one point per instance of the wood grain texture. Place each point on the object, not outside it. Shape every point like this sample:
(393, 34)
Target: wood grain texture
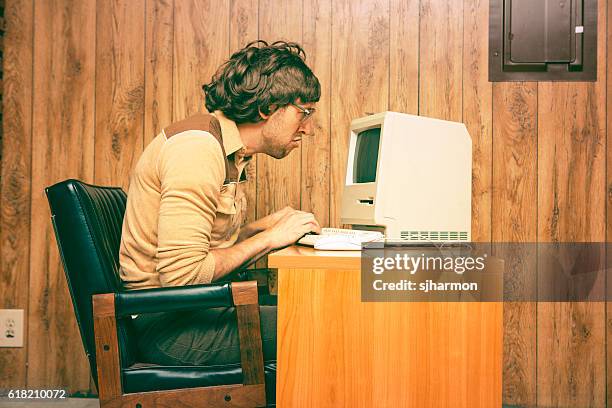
(278, 181)
(159, 32)
(243, 28)
(306, 257)
(103, 305)
(404, 23)
(608, 213)
(63, 122)
(249, 333)
(335, 350)
(571, 137)
(514, 210)
(119, 90)
(571, 190)
(16, 177)
(273, 281)
(244, 293)
(316, 148)
(242, 396)
(201, 44)
(369, 58)
(477, 112)
(441, 49)
(107, 347)
(514, 161)
(360, 72)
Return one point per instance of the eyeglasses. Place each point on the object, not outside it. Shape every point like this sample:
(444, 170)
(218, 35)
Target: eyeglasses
(308, 112)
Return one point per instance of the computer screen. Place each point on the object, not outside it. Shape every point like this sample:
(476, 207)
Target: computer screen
(366, 156)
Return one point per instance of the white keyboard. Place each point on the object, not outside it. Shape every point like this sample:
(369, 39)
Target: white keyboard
(339, 239)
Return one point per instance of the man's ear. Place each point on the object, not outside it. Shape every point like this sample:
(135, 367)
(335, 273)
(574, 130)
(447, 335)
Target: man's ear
(271, 110)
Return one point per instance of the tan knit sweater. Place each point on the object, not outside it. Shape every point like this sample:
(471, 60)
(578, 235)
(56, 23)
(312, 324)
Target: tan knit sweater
(185, 197)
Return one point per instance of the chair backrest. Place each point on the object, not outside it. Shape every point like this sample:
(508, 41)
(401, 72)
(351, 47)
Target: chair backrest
(87, 220)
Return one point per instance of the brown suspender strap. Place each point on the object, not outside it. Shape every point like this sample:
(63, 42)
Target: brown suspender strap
(210, 124)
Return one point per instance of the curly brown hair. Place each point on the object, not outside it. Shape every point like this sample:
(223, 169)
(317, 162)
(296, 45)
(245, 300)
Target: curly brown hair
(261, 77)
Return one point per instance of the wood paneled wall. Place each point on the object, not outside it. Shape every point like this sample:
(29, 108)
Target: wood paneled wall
(87, 84)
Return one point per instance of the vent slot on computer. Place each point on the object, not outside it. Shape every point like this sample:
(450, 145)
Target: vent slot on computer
(438, 236)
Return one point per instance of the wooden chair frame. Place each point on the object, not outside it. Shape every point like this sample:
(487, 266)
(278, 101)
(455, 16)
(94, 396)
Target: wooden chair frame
(251, 393)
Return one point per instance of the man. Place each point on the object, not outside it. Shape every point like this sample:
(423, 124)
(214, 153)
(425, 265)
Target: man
(186, 200)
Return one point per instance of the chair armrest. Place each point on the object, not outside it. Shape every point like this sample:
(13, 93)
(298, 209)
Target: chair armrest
(243, 295)
(171, 299)
(249, 331)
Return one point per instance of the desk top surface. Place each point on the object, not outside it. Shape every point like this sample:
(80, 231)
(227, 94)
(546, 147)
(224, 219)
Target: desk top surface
(297, 256)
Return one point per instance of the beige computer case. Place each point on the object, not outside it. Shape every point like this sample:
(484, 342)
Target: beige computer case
(423, 187)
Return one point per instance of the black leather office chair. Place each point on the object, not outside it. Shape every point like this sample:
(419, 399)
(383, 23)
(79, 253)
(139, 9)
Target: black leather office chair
(87, 220)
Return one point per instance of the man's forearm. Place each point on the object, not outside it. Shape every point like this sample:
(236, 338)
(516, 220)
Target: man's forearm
(254, 228)
(239, 255)
(249, 230)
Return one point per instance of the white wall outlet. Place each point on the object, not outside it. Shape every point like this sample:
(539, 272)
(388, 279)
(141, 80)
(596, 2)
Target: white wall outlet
(11, 327)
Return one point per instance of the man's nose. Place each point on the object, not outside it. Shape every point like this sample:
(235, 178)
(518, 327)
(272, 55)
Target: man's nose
(307, 128)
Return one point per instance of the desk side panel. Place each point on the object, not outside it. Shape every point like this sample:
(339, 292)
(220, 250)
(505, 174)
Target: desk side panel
(335, 350)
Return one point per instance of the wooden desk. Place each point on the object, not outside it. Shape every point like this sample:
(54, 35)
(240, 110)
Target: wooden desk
(335, 351)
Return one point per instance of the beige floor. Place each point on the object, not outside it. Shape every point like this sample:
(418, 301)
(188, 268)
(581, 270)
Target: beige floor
(63, 403)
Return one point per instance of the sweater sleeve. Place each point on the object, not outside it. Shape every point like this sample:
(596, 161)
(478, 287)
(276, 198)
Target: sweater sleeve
(191, 168)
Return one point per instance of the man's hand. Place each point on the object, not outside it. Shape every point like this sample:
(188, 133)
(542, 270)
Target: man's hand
(291, 227)
(275, 217)
(264, 223)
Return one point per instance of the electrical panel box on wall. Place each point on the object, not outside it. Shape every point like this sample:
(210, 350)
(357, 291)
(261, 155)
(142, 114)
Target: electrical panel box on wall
(543, 40)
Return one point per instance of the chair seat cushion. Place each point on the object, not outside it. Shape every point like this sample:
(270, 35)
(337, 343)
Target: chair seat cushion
(148, 377)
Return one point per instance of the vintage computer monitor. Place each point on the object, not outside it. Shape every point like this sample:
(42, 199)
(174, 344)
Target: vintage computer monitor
(409, 177)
